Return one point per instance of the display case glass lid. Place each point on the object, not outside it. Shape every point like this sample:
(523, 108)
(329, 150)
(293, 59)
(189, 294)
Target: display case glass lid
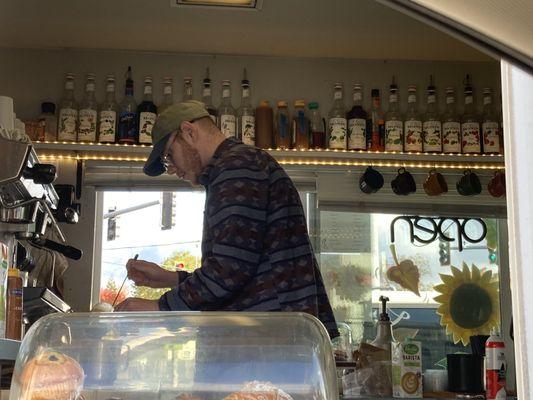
(176, 355)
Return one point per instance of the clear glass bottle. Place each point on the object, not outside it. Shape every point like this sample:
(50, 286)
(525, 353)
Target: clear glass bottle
(300, 126)
(377, 124)
(490, 126)
(282, 138)
(207, 97)
(146, 113)
(470, 129)
(226, 112)
(168, 96)
(432, 126)
(127, 130)
(107, 116)
(413, 123)
(88, 113)
(451, 126)
(187, 88)
(393, 121)
(317, 125)
(337, 124)
(68, 113)
(48, 121)
(357, 118)
(246, 114)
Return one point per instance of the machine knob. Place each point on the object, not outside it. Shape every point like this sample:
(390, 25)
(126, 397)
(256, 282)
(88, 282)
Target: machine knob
(43, 174)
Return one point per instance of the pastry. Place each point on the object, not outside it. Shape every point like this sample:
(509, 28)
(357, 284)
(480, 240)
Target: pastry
(272, 395)
(51, 376)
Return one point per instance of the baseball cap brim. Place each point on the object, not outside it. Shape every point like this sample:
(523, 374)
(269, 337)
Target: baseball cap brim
(153, 165)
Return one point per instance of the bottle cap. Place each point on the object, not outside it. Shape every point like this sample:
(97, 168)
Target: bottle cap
(110, 78)
(337, 85)
(357, 86)
(48, 107)
(282, 103)
(226, 82)
(148, 79)
(13, 272)
(187, 79)
(90, 76)
(313, 105)
(264, 103)
(299, 103)
(450, 90)
(375, 92)
(70, 75)
(167, 80)
(487, 90)
(411, 88)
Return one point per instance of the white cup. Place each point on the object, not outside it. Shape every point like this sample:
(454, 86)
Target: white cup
(435, 380)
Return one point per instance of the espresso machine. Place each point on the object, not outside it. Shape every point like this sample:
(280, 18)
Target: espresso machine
(29, 208)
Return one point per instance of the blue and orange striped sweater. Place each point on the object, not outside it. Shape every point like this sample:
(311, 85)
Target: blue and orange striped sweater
(256, 252)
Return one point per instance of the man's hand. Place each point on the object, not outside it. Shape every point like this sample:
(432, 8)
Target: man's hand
(137, 304)
(144, 273)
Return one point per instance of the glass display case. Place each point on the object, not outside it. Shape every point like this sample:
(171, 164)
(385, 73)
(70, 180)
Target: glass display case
(175, 355)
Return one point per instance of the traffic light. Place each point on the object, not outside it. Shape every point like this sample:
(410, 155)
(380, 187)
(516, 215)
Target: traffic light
(444, 252)
(493, 256)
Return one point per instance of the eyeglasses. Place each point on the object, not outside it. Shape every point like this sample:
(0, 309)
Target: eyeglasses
(166, 158)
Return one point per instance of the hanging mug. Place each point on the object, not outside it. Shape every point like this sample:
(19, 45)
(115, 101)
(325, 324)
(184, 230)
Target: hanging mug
(404, 183)
(435, 184)
(469, 184)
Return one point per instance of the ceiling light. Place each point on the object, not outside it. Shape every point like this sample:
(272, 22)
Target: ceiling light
(243, 4)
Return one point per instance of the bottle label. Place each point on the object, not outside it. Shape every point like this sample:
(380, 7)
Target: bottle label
(87, 127)
(394, 135)
(206, 92)
(66, 129)
(146, 124)
(248, 129)
(148, 90)
(393, 98)
(495, 372)
(432, 134)
(451, 137)
(491, 137)
(470, 138)
(431, 99)
(107, 129)
(450, 100)
(89, 87)
(167, 90)
(69, 85)
(225, 92)
(337, 95)
(227, 125)
(110, 88)
(283, 130)
(245, 93)
(413, 136)
(357, 134)
(337, 133)
(487, 100)
(411, 98)
(357, 96)
(469, 99)
(126, 127)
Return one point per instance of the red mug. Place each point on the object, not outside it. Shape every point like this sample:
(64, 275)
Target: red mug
(496, 185)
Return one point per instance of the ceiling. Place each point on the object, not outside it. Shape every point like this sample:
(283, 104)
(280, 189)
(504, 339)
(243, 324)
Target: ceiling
(360, 29)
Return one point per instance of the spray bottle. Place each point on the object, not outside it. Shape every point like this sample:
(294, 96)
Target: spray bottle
(495, 367)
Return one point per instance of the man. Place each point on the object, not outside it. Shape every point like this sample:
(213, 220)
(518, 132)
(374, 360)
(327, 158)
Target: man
(256, 253)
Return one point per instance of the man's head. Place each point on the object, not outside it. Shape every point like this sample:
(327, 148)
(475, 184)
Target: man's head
(184, 139)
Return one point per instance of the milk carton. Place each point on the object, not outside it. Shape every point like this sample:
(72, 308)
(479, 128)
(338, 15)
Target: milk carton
(407, 369)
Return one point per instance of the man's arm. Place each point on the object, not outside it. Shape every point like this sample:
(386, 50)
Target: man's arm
(236, 216)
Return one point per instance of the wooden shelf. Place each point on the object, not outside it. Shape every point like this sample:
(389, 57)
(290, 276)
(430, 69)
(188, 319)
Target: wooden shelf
(327, 158)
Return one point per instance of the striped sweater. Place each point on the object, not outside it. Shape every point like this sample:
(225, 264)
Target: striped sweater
(256, 253)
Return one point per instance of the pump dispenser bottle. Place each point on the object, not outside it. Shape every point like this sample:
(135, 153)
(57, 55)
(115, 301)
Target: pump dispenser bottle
(384, 337)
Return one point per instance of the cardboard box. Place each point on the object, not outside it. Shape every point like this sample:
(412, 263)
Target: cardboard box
(407, 369)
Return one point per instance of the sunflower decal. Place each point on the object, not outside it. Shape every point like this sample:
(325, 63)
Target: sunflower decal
(468, 303)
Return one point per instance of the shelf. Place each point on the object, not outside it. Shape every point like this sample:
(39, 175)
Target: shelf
(9, 349)
(335, 158)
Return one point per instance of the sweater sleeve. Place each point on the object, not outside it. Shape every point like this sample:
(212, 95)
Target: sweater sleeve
(236, 210)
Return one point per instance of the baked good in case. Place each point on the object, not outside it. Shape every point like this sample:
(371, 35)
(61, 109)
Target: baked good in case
(51, 376)
(252, 396)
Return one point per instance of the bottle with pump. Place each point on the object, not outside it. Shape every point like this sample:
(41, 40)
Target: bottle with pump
(337, 124)
(226, 113)
(495, 367)
(470, 129)
(300, 126)
(451, 127)
(207, 97)
(146, 113)
(384, 339)
(413, 124)
(14, 305)
(393, 121)
(187, 88)
(432, 127)
(490, 128)
(168, 97)
(107, 129)
(317, 125)
(246, 123)
(357, 118)
(377, 124)
(68, 113)
(88, 113)
(127, 130)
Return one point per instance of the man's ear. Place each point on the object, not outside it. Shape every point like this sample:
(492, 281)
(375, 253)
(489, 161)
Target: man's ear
(189, 132)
